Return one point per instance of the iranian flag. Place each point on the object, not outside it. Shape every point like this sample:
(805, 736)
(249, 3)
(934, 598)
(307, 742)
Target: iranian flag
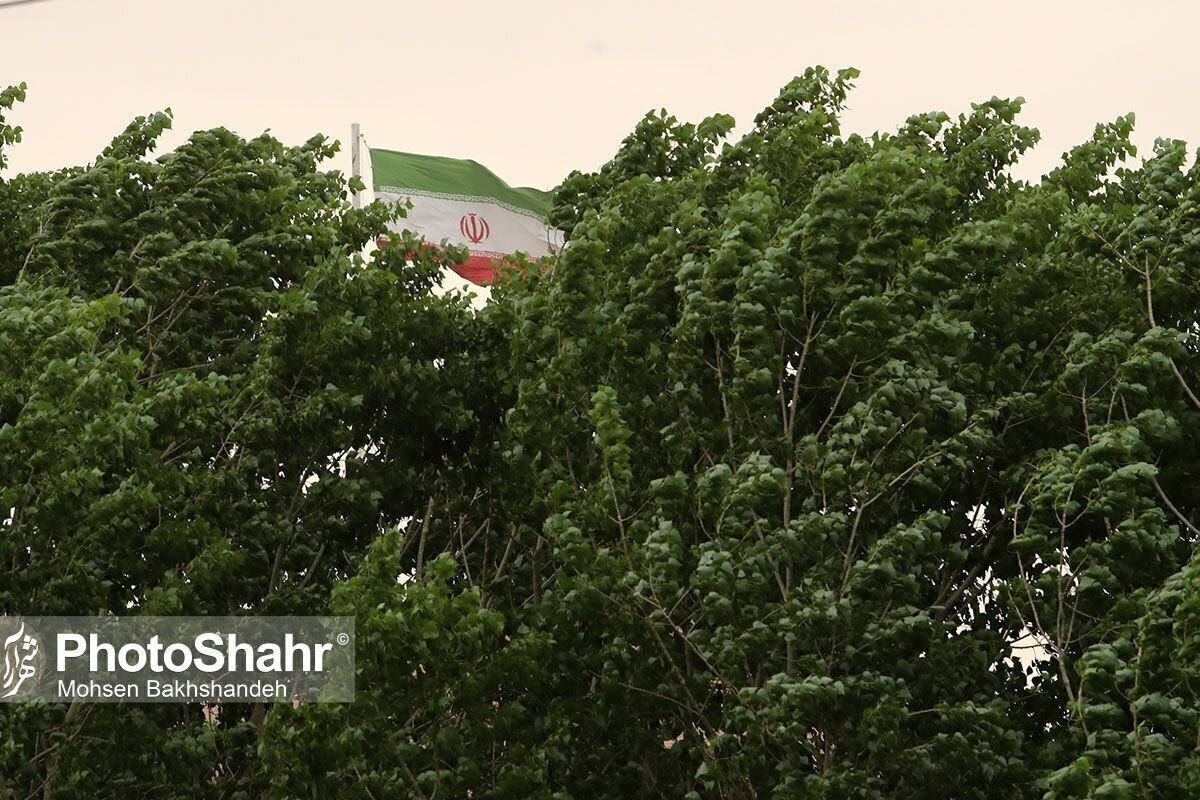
(464, 203)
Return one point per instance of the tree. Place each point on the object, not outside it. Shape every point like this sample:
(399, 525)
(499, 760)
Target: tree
(209, 404)
(816, 466)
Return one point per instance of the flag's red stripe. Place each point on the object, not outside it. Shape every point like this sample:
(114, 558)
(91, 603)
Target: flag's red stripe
(480, 270)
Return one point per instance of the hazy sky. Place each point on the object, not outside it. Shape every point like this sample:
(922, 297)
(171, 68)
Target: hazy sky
(536, 88)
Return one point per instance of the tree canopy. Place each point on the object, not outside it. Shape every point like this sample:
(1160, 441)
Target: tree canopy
(817, 465)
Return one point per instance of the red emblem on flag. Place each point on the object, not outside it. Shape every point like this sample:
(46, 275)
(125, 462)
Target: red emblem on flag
(474, 228)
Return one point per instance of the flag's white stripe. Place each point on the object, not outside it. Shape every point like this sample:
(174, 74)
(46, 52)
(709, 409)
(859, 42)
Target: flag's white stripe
(401, 191)
(438, 219)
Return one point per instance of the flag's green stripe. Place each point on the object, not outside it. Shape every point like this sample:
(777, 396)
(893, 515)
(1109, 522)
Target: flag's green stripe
(451, 176)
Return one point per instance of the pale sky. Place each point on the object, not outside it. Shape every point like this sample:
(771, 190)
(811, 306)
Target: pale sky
(536, 88)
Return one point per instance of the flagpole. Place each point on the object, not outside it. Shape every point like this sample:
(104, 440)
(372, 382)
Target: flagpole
(355, 160)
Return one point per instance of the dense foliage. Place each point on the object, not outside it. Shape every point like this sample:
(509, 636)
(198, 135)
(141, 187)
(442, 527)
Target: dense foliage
(816, 466)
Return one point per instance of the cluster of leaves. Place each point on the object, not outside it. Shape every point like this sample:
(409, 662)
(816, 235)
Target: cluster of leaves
(816, 466)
